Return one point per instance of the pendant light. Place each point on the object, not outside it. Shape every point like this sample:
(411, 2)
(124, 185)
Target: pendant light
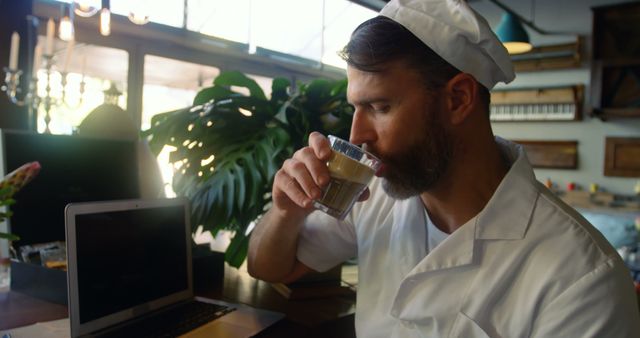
(86, 8)
(139, 12)
(511, 31)
(512, 35)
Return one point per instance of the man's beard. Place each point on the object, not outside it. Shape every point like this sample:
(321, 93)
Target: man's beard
(417, 168)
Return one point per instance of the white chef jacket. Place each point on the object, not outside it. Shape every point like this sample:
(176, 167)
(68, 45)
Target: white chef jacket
(526, 266)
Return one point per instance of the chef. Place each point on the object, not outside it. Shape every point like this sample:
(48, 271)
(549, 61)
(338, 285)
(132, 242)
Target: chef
(455, 237)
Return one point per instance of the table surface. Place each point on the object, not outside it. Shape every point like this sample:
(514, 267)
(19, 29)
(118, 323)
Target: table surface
(321, 317)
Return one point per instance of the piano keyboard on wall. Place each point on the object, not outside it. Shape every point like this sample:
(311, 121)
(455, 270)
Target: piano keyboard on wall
(549, 104)
(535, 111)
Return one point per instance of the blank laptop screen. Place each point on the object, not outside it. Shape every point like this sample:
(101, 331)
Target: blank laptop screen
(127, 258)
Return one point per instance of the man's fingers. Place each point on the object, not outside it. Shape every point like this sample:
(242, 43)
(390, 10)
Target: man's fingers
(288, 186)
(302, 177)
(298, 171)
(320, 145)
(316, 167)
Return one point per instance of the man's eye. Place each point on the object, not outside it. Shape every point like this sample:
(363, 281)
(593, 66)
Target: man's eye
(380, 108)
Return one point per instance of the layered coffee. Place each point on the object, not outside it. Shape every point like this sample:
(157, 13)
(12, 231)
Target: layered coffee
(349, 178)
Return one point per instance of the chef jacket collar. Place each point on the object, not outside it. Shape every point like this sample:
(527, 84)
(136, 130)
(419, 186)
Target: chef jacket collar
(509, 210)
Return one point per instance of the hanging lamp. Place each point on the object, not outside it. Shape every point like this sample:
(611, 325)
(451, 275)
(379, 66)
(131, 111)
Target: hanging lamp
(513, 35)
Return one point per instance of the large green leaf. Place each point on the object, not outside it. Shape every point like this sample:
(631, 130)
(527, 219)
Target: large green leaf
(249, 138)
(237, 250)
(235, 78)
(211, 93)
(279, 88)
(10, 237)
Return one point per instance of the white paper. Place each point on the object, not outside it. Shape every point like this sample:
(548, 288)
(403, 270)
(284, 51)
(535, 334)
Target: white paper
(53, 329)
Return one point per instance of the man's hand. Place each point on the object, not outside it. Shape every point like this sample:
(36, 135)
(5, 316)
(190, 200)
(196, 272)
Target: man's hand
(302, 177)
(273, 244)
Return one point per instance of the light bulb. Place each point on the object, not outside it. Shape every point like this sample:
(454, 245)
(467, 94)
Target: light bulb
(105, 22)
(517, 47)
(86, 8)
(138, 18)
(66, 31)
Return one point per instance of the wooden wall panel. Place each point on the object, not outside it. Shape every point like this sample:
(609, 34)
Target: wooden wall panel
(551, 154)
(622, 156)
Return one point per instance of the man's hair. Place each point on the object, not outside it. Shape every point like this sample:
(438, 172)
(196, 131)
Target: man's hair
(381, 40)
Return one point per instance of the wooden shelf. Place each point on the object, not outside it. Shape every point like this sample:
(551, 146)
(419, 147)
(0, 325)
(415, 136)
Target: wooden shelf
(549, 57)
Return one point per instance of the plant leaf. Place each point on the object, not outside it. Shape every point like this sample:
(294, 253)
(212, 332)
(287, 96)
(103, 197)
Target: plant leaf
(247, 150)
(10, 237)
(237, 250)
(235, 78)
(211, 93)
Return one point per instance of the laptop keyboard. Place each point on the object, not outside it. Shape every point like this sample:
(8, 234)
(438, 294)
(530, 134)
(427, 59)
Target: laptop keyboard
(173, 322)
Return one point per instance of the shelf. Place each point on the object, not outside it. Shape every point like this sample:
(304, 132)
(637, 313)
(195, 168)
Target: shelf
(549, 57)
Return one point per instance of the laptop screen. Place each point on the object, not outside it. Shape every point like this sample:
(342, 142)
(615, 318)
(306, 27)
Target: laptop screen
(126, 258)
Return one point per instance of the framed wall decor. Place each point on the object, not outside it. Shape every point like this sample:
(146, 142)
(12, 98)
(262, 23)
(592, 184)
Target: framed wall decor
(622, 156)
(551, 154)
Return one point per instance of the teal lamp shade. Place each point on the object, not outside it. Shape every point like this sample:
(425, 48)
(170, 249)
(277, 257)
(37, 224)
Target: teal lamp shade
(512, 35)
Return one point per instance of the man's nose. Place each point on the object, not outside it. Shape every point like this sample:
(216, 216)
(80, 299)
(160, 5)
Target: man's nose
(361, 129)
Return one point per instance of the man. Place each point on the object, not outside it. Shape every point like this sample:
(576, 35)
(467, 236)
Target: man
(456, 237)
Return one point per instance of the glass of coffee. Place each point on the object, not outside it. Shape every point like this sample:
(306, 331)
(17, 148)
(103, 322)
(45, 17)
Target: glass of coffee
(351, 169)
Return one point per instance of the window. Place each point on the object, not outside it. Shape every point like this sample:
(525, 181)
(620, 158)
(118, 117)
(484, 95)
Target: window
(166, 12)
(287, 26)
(312, 29)
(341, 18)
(220, 18)
(98, 67)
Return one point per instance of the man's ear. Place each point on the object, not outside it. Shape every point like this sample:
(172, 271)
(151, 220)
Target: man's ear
(462, 97)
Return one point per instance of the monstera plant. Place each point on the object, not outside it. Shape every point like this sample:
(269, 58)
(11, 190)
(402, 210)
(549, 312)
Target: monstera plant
(228, 146)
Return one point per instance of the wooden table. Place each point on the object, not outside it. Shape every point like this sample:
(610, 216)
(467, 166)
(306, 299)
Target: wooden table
(323, 317)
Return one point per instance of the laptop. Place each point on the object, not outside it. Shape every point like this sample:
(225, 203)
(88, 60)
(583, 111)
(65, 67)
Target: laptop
(130, 275)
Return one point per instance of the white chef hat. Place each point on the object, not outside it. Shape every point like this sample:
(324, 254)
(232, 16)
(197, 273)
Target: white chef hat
(457, 34)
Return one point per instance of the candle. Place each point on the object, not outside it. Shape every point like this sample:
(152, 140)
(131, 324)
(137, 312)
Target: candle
(67, 55)
(13, 54)
(51, 29)
(37, 58)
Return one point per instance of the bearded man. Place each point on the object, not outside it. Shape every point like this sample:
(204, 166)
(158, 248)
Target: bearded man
(456, 237)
